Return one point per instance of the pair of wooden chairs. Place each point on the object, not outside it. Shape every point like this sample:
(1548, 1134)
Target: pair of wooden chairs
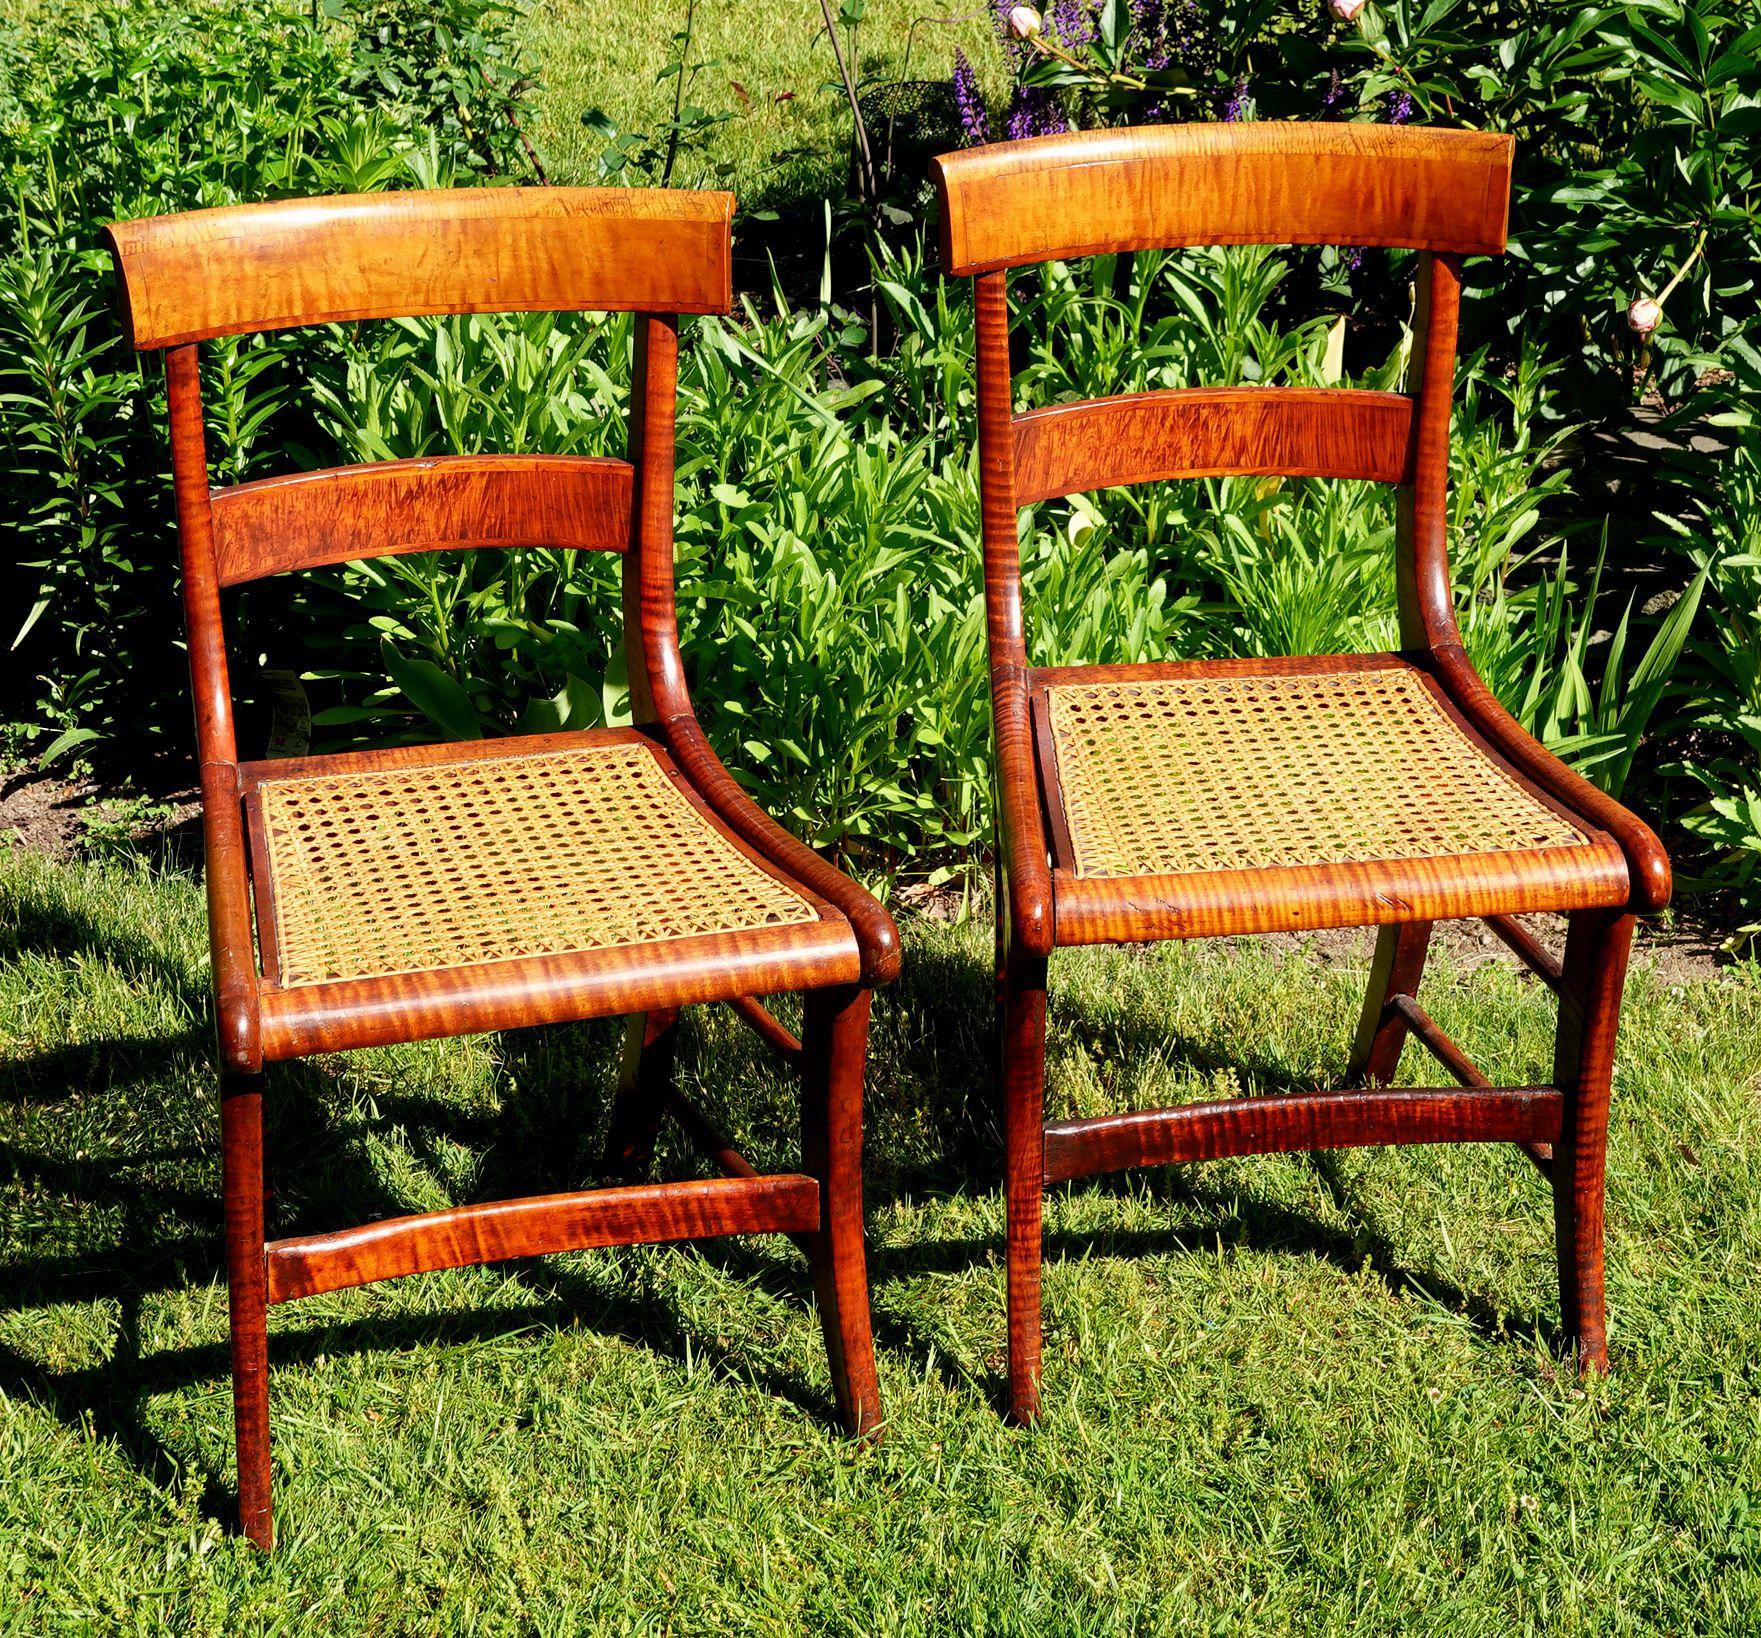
(394, 895)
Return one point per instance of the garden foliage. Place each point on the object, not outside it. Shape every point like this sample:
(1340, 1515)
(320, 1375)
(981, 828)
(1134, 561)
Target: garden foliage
(827, 504)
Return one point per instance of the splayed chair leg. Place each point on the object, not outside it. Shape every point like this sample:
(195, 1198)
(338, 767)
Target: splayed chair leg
(1597, 945)
(639, 1105)
(1398, 966)
(1024, 1146)
(241, 1160)
(834, 1047)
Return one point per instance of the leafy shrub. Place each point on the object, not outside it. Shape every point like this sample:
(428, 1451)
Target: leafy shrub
(829, 585)
(125, 110)
(1636, 131)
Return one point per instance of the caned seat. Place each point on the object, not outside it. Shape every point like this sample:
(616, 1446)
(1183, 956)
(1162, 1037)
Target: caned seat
(381, 878)
(1259, 796)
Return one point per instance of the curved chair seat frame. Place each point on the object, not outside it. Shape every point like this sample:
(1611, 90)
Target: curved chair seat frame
(1444, 194)
(657, 254)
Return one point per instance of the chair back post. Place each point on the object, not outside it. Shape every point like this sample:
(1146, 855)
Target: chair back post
(232, 946)
(999, 514)
(201, 575)
(1423, 587)
(653, 663)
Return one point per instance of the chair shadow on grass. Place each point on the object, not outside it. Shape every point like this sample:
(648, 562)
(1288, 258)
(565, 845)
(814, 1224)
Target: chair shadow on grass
(931, 1060)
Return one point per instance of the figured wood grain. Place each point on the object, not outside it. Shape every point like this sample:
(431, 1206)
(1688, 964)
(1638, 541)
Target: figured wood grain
(645, 1214)
(1444, 194)
(231, 947)
(243, 268)
(305, 520)
(1318, 1120)
(1202, 432)
(1025, 905)
(553, 989)
(1593, 975)
(1083, 193)
(247, 1296)
(834, 1047)
(1647, 863)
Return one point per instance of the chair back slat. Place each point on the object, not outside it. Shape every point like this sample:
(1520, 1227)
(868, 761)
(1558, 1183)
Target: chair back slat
(305, 520)
(1205, 432)
(249, 268)
(1092, 192)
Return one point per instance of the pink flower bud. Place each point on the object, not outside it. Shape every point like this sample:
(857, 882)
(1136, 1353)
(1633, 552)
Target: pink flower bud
(1345, 10)
(1025, 22)
(1644, 316)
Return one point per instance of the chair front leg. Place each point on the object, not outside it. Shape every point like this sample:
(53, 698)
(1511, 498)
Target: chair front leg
(241, 1170)
(1398, 966)
(1024, 1170)
(639, 1104)
(1597, 945)
(834, 1047)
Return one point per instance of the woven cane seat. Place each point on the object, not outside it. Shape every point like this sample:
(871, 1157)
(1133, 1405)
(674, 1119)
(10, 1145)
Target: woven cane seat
(1356, 780)
(442, 890)
(384, 870)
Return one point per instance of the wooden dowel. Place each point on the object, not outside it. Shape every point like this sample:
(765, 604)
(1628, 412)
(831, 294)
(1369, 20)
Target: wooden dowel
(1441, 1047)
(763, 1023)
(1528, 949)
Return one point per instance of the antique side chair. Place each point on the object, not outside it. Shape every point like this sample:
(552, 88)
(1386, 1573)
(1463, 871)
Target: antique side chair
(393, 895)
(1247, 796)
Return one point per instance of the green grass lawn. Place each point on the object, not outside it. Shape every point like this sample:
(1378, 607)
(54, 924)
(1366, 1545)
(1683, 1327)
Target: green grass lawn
(1309, 1394)
(772, 68)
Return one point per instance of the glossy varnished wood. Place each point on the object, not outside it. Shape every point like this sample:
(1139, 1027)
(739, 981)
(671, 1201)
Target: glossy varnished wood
(312, 262)
(1147, 187)
(390, 255)
(505, 1229)
(1528, 949)
(1396, 969)
(1594, 974)
(1296, 898)
(682, 972)
(1443, 194)
(834, 1044)
(304, 520)
(247, 1296)
(1201, 432)
(1317, 1120)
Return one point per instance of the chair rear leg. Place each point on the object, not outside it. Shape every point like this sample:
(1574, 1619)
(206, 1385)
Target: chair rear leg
(1597, 945)
(1024, 1170)
(1398, 966)
(637, 1109)
(834, 1047)
(241, 1162)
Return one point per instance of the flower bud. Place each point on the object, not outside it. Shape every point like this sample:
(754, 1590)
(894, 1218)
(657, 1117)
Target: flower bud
(1644, 316)
(1025, 22)
(1345, 10)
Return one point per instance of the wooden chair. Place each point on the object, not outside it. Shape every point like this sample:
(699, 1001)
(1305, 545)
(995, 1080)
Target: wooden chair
(1248, 796)
(444, 889)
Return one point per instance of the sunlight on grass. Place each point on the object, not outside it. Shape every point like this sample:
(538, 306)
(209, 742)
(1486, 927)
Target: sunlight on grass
(791, 139)
(1292, 1393)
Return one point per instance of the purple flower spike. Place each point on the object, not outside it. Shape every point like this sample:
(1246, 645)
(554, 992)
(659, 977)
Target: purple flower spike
(1399, 107)
(1034, 112)
(1236, 106)
(975, 119)
(1073, 23)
